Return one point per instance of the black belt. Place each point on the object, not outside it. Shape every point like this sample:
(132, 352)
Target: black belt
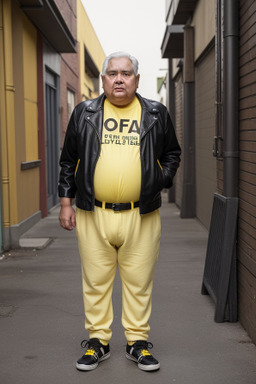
(117, 206)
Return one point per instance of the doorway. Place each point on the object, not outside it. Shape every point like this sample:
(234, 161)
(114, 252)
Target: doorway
(52, 137)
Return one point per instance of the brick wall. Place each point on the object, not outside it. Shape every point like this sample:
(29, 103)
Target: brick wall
(68, 11)
(247, 177)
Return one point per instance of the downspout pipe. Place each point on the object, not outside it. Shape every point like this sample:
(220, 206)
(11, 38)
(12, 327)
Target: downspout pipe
(171, 108)
(188, 209)
(230, 99)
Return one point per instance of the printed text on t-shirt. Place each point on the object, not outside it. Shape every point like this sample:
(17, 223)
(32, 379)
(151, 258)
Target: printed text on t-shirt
(127, 125)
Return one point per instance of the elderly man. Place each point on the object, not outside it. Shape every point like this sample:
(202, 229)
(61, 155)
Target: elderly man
(120, 151)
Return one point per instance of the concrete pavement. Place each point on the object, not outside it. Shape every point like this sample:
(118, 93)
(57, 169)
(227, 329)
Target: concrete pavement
(42, 319)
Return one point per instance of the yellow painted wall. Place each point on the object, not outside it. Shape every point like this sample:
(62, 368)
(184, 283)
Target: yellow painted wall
(28, 180)
(19, 142)
(7, 122)
(4, 172)
(204, 24)
(86, 36)
(30, 89)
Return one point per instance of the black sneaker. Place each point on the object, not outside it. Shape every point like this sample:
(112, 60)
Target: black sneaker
(139, 353)
(94, 353)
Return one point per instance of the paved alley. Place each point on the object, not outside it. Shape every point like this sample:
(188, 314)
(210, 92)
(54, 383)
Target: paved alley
(42, 318)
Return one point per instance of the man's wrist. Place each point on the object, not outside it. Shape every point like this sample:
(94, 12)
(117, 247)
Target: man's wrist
(66, 202)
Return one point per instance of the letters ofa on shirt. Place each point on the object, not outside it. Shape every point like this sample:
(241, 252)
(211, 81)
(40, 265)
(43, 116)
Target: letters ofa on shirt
(112, 125)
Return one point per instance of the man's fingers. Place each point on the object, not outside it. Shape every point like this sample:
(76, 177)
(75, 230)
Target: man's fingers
(67, 224)
(73, 221)
(67, 218)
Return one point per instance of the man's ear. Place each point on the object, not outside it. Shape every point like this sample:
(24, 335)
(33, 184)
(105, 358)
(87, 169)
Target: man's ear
(137, 81)
(102, 80)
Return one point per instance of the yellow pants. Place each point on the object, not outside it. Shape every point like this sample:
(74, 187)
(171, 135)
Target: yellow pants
(131, 241)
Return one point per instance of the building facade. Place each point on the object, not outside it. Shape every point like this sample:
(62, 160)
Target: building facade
(40, 82)
(91, 56)
(211, 47)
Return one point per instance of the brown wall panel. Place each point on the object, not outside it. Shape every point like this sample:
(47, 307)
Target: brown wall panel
(205, 131)
(247, 175)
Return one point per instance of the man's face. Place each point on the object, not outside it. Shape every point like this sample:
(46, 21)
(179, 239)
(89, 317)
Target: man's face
(119, 82)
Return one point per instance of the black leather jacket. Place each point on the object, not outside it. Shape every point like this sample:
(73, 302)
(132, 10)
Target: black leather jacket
(159, 151)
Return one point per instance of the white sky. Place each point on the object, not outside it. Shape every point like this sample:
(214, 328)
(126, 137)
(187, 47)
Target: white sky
(134, 26)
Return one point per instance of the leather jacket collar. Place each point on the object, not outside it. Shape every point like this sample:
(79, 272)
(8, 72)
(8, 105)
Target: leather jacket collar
(148, 118)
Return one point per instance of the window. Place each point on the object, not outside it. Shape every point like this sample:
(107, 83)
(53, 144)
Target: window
(71, 102)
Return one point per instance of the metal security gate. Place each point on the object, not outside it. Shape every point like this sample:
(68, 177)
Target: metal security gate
(220, 280)
(52, 145)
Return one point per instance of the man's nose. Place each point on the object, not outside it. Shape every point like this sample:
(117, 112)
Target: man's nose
(119, 78)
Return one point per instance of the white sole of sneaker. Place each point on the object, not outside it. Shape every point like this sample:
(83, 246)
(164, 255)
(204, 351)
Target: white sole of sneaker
(91, 367)
(149, 368)
(142, 366)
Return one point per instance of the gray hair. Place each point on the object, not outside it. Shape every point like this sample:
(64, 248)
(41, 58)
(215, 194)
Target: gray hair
(135, 63)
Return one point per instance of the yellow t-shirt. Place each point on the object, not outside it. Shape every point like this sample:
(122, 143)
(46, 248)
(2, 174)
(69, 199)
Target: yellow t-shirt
(117, 176)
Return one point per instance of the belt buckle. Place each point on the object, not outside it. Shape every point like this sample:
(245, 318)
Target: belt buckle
(115, 207)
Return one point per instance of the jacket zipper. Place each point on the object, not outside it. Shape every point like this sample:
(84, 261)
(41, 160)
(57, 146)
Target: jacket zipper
(142, 137)
(159, 164)
(77, 165)
(97, 158)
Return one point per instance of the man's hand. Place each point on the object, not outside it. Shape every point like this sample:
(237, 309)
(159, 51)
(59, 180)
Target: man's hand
(67, 216)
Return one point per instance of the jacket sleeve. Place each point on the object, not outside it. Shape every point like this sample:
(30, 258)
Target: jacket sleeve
(170, 158)
(68, 160)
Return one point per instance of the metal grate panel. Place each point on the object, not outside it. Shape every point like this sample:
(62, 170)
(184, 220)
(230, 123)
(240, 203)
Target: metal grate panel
(220, 280)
